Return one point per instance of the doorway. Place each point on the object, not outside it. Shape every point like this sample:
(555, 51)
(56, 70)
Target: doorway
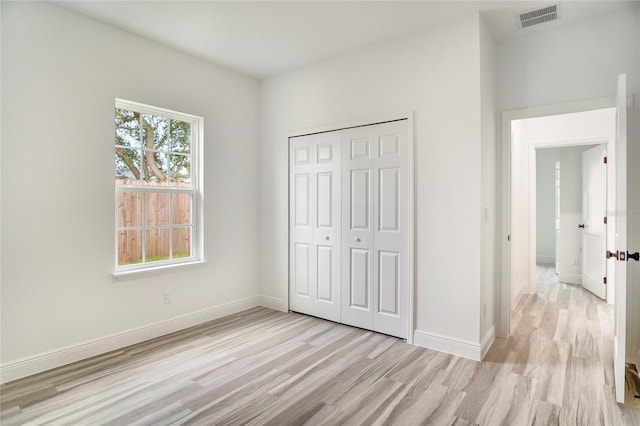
(562, 126)
(570, 204)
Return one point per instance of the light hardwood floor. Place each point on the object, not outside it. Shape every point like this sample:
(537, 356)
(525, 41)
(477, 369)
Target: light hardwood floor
(267, 367)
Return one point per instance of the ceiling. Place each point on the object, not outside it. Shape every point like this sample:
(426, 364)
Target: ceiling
(265, 38)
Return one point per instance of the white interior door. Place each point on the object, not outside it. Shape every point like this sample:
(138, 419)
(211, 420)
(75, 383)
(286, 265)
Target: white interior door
(375, 249)
(391, 224)
(301, 224)
(620, 305)
(594, 206)
(327, 241)
(358, 192)
(314, 265)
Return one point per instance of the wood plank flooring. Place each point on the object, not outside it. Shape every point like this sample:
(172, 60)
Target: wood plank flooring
(266, 367)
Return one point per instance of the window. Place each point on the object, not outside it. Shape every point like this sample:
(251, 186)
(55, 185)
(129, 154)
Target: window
(157, 187)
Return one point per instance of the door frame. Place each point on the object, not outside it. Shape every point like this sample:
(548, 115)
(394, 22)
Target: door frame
(506, 248)
(533, 171)
(369, 121)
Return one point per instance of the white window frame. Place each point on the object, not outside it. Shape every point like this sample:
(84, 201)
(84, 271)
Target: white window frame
(196, 190)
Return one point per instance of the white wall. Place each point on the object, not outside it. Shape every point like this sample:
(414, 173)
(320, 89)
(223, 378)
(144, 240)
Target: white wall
(589, 127)
(489, 157)
(437, 74)
(570, 63)
(546, 205)
(61, 73)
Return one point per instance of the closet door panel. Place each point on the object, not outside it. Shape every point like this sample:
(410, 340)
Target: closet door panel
(389, 199)
(359, 279)
(388, 282)
(302, 271)
(303, 200)
(327, 298)
(358, 197)
(359, 203)
(391, 224)
(325, 269)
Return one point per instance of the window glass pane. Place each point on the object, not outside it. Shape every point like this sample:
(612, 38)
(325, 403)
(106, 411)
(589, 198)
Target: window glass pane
(127, 164)
(179, 170)
(181, 242)
(129, 246)
(155, 132)
(127, 128)
(155, 164)
(157, 208)
(180, 136)
(181, 209)
(157, 244)
(129, 209)
(153, 151)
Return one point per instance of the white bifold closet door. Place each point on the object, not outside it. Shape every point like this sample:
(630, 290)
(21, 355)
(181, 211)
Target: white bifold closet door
(375, 219)
(314, 265)
(349, 223)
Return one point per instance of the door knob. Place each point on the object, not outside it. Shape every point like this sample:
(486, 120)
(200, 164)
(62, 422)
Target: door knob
(635, 256)
(581, 225)
(611, 254)
(326, 238)
(358, 240)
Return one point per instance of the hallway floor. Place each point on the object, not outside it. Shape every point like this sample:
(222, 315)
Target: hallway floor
(561, 355)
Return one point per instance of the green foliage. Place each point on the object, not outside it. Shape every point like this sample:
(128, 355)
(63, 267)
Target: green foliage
(151, 148)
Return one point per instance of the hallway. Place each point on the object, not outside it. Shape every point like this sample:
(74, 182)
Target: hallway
(562, 356)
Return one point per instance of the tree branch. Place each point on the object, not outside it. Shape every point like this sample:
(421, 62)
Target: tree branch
(151, 160)
(130, 164)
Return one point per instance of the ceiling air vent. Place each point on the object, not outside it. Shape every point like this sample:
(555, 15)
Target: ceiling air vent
(533, 17)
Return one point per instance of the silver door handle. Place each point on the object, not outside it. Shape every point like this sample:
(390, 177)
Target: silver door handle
(358, 240)
(326, 238)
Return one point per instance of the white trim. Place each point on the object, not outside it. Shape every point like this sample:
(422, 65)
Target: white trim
(504, 327)
(487, 341)
(533, 219)
(412, 236)
(449, 345)
(154, 110)
(274, 303)
(396, 116)
(522, 289)
(570, 278)
(58, 357)
(196, 190)
(383, 118)
(157, 269)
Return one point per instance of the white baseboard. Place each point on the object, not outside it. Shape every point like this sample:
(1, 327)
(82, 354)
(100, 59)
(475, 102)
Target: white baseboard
(547, 260)
(487, 340)
(45, 361)
(449, 345)
(570, 278)
(274, 303)
(521, 290)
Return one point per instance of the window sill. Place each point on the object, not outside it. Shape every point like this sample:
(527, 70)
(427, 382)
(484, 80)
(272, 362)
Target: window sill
(156, 270)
